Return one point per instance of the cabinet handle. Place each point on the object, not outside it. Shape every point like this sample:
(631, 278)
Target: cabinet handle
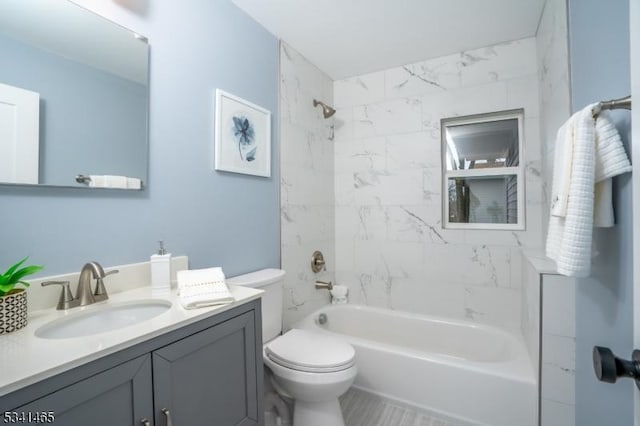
(145, 422)
(167, 413)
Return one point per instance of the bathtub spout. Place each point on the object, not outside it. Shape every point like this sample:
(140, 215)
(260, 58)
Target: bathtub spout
(324, 285)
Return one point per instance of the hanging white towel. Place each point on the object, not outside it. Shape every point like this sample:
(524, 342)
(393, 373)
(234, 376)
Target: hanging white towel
(569, 237)
(603, 204)
(597, 155)
(611, 160)
(562, 174)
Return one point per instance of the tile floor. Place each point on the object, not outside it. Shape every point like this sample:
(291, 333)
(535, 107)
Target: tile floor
(361, 408)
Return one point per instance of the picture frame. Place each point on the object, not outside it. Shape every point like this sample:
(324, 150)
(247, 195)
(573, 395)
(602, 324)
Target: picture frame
(242, 136)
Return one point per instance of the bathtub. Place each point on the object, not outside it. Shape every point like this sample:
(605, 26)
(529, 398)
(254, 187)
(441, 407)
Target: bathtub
(473, 373)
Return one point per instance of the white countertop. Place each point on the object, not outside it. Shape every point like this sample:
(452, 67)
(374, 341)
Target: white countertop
(30, 359)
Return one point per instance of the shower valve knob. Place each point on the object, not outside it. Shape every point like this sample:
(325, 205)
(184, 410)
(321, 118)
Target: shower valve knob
(609, 367)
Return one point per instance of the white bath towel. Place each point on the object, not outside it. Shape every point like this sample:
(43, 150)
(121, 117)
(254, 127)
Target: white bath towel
(603, 204)
(611, 160)
(562, 168)
(134, 183)
(114, 182)
(596, 155)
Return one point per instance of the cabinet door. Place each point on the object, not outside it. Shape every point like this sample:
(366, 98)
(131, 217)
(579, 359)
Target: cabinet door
(209, 378)
(118, 396)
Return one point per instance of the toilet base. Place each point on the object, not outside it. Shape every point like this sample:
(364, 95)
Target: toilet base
(318, 413)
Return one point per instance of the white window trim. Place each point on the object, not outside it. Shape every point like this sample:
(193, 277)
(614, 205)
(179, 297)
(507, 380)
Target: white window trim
(496, 171)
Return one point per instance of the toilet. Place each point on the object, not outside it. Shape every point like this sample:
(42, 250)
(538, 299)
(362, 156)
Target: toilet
(310, 368)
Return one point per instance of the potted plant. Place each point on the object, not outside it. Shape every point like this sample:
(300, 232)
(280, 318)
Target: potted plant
(13, 301)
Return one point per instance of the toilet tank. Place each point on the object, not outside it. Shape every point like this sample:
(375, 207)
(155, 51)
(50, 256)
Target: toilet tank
(271, 282)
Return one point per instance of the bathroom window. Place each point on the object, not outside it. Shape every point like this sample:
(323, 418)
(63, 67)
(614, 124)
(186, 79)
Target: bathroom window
(483, 176)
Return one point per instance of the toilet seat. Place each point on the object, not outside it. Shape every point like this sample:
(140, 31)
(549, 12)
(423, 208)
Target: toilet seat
(310, 352)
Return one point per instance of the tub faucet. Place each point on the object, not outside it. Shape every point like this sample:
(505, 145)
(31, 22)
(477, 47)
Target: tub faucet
(322, 284)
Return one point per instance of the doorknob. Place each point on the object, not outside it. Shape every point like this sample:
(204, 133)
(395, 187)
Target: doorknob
(609, 367)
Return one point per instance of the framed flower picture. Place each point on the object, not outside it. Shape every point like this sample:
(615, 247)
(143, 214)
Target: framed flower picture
(242, 136)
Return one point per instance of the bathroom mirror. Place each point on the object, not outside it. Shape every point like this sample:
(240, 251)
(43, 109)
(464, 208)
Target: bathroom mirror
(74, 95)
(483, 182)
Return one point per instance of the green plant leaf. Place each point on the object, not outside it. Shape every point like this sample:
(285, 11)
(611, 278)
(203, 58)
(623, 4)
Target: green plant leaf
(24, 283)
(4, 279)
(13, 268)
(27, 270)
(6, 288)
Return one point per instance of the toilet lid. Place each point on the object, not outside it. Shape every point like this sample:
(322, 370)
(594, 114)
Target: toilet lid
(312, 352)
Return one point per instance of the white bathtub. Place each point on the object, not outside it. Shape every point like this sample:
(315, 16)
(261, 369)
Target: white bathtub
(474, 373)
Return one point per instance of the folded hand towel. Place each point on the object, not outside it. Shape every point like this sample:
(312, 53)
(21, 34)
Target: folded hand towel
(203, 287)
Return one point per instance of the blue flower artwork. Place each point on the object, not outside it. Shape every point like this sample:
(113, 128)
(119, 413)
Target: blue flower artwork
(245, 135)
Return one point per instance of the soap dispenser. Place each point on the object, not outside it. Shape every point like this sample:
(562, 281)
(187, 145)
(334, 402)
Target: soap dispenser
(161, 271)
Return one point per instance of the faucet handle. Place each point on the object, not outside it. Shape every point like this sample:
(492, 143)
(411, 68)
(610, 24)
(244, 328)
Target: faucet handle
(66, 300)
(101, 292)
(115, 271)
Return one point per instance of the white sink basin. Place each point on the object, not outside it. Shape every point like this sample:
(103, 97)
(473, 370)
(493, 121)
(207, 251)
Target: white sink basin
(104, 318)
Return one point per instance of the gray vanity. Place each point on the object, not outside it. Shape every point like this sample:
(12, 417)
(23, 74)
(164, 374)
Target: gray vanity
(208, 372)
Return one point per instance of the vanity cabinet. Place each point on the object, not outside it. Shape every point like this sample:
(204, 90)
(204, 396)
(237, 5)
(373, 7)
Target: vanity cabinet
(206, 373)
(205, 379)
(119, 396)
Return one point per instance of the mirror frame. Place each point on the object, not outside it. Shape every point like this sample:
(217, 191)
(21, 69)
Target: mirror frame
(518, 171)
(145, 175)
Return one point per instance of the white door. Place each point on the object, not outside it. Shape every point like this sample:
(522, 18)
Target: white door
(19, 135)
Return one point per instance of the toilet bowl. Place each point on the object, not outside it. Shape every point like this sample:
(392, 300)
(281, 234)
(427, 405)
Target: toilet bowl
(313, 370)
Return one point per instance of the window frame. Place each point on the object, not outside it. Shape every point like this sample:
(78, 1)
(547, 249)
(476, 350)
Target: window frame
(518, 171)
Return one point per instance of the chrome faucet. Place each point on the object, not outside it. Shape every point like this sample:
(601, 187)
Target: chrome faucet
(84, 295)
(322, 284)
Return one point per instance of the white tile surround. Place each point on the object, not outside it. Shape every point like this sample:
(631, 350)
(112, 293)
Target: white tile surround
(558, 304)
(558, 351)
(553, 76)
(391, 249)
(306, 191)
(380, 224)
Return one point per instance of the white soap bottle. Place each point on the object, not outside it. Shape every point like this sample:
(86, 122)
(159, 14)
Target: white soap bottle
(161, 271)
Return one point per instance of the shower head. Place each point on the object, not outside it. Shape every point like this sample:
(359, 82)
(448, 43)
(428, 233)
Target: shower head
(327, 111)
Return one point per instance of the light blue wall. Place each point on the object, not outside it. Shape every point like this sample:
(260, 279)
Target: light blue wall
(216, 218)
(95, 99)
(599, 46)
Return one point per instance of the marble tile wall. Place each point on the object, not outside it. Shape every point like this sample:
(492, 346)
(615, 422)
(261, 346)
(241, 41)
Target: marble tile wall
(557, 380)
(391, 249)
(307, 188)
(553, 78)
(558, 322)
(531, 310)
